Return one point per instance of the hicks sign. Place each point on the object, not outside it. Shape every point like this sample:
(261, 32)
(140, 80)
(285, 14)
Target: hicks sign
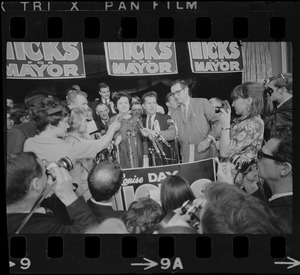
(215, 57)
(44, 60)
(140, 58)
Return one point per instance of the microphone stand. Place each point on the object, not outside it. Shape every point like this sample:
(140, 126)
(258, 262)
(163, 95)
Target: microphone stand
(162, 151)
(156, 148)
(130, 148)
(176, 142)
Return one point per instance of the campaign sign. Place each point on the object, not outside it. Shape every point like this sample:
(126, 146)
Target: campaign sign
(44, 60)
(215, 57)
(140, 182)
(140, 58)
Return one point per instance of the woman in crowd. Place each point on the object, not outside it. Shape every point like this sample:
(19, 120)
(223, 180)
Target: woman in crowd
(228, 210)
(77, 133)
(130, 148)
(175, 190)
(241, 141)
(143, 216)
(52, 123)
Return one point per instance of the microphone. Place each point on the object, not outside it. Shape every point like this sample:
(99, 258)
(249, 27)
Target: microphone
(170, 121)
(155, 146)
(161, 149)
(161, 138)
(128, 133)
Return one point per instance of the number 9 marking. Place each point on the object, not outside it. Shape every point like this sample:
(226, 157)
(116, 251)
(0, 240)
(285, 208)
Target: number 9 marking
(26, 263)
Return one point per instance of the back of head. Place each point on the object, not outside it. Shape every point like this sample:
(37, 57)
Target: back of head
(108, 226)
(253, 90)
(21, 169)
(105, 180)
(175, 190)
(50, 111)
(284, 133)
(142, 216)
(229, 210)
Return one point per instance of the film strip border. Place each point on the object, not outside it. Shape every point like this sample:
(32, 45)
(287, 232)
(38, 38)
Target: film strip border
(152, 253)
(107, 253)
(218, 21)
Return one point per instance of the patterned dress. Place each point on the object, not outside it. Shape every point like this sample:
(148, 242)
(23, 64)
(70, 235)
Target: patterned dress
(246, 139)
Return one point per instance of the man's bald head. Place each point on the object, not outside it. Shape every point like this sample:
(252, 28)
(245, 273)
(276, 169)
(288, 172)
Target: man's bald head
(105, 180)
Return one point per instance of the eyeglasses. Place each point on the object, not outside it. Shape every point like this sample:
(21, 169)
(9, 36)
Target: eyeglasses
(261, 154)
(178, 92)
(268, 80)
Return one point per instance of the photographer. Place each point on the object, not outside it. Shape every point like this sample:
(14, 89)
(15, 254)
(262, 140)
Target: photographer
(49, 144)
(240, 142)
(27, 183)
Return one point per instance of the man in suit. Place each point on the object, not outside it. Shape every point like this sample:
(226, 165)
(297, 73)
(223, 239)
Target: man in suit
(102, 117)
(280, 90)
(275, 167)
(104, 182)
(156, 124)
(197, 123)
(104, 93)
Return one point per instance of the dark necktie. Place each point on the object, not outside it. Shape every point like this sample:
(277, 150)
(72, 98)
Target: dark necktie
(150, 122)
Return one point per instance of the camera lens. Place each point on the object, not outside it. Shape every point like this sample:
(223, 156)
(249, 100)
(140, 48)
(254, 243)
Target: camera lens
(65, 163)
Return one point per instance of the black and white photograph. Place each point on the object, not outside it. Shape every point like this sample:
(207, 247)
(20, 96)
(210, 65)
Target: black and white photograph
(165, 148)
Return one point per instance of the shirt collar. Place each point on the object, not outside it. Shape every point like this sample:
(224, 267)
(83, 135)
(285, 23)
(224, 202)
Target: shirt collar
(283, 102)
(276, 196)
(101, 203)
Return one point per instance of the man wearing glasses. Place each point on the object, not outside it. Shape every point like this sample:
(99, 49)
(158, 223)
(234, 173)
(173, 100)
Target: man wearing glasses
(275, 167)
(198, 124)
(280, 90)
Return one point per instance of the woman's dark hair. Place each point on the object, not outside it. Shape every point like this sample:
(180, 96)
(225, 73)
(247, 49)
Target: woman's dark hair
(256, 92)
(117, 97)
(175, 190)
(50, 111)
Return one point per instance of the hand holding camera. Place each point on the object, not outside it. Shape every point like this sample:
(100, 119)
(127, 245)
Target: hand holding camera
(62, 186)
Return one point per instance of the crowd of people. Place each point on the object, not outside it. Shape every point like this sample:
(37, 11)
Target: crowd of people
(65, 160)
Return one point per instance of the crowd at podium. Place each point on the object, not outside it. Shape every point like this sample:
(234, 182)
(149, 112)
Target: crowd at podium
(65, 160)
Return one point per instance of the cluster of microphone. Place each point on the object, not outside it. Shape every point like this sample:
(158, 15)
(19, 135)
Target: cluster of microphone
(156, 140)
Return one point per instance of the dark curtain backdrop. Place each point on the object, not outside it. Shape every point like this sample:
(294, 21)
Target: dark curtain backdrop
(202, 85)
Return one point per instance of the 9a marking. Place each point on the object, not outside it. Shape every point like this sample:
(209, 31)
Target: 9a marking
(166, 263)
